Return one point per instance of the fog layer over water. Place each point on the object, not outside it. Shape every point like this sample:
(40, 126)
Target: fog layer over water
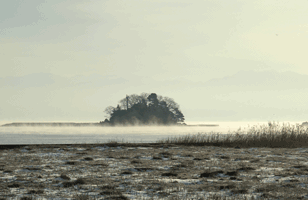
(72, 135)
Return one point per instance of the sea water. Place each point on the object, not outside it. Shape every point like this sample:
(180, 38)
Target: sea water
(138, 134)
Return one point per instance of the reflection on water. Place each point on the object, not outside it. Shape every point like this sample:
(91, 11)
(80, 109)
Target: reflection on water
(69, 135)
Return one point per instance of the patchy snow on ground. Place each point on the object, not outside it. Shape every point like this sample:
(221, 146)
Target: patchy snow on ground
(103, 172)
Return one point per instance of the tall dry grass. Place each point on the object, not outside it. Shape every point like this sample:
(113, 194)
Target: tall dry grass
(273, 135)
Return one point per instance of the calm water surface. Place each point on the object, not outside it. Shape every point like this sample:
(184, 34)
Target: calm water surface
(71, 135)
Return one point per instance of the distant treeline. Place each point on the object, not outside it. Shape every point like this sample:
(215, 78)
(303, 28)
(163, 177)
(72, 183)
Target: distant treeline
(60, 124)
(53, 124)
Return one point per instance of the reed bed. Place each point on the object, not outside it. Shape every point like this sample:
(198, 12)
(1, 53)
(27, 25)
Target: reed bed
(273, 135)
(165, 169)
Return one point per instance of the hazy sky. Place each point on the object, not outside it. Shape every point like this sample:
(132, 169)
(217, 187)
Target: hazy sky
(69, 59)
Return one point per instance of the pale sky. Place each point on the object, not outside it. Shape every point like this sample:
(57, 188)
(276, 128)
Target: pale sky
(70, 59)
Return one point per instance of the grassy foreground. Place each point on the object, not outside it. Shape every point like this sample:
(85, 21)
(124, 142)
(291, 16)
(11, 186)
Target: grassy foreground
(272, 135)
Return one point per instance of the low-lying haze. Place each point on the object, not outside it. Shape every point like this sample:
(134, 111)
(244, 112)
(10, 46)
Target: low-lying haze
(71, 135)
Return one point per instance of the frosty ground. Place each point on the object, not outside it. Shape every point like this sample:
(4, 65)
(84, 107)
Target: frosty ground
(151, 171)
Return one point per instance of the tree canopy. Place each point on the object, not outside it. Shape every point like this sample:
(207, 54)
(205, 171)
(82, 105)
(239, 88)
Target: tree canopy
(144, 109)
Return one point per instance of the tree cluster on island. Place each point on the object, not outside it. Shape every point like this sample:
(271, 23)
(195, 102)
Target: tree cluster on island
(144, 109)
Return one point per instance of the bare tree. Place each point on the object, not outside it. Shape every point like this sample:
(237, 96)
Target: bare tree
(132, 100)
(109, 110)
(171, 104)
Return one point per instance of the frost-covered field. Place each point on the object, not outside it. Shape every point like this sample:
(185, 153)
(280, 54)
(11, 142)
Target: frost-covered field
(152, 171)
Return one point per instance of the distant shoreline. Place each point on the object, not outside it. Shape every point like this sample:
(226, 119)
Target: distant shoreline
(51, 124)
(61, 124)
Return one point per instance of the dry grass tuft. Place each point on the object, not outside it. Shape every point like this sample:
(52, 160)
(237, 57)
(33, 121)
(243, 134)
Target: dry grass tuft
(65, 177)
(71, 163)
(79, 181)
(88, 159)
(36, 192)
(272, 135)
